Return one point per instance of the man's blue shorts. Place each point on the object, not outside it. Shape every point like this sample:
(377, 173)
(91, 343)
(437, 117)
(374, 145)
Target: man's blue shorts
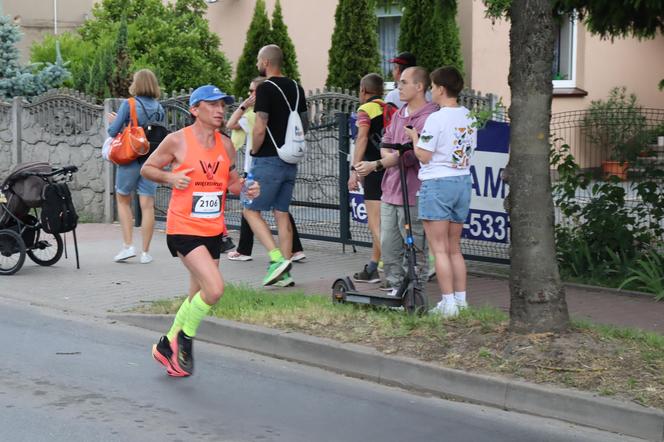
(128, 179)
(277, 180)
(445, 199)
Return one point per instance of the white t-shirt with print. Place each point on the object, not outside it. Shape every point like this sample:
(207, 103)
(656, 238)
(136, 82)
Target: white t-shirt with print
(449, 134)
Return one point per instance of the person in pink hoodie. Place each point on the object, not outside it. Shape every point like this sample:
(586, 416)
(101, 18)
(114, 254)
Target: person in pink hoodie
(413, 85)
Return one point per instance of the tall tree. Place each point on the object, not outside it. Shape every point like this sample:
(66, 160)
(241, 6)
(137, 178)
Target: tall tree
(258, 35)
(429, 30)
(121, 77)
(537, 295)
(354, 51)
(281, 38)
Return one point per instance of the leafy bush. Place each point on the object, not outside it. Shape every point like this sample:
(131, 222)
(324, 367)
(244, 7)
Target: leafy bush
(172, 39)
(617, 125)
(604, 235)
(647, 274)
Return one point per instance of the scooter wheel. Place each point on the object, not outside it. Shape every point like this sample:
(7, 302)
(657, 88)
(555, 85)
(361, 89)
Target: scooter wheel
(339, 290)
(415, 302)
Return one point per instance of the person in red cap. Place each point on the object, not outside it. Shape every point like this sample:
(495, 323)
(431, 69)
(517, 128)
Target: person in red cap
(401, 62)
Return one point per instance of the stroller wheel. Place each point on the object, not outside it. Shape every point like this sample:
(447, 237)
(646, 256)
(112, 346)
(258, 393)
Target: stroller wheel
(12, 252)
(47, 249)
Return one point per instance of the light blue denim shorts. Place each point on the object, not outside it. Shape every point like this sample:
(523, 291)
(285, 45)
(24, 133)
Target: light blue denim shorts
(128, 179)
(445, 199)
(277, 181)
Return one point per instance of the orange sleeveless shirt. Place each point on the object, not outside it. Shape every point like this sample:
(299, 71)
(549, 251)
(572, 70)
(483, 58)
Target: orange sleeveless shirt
(199, 209)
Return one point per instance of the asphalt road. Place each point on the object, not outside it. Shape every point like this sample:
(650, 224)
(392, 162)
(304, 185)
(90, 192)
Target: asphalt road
(68, 378)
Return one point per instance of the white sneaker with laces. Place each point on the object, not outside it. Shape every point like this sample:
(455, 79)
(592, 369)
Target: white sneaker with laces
(146, 258)
(448, 309)
(125, 253)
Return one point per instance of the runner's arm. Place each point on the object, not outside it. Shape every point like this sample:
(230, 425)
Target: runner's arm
(162, 157)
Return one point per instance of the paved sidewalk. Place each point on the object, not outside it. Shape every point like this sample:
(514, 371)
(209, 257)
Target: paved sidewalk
(102, 286)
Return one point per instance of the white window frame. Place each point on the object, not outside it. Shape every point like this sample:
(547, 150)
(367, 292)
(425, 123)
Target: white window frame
(559, 84)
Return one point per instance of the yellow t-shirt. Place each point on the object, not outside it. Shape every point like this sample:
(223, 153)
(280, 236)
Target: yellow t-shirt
(242, 137)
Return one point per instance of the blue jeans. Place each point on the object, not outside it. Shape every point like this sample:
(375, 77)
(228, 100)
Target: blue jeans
(277, 180)
(445, 199)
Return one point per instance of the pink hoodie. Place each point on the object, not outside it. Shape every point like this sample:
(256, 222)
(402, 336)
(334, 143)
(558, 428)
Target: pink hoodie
(396, 134)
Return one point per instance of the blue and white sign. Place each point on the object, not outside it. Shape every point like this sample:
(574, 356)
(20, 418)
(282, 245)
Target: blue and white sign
(488, 220)
(358, 210)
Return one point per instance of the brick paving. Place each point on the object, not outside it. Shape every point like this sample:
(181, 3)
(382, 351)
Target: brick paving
(102, 286)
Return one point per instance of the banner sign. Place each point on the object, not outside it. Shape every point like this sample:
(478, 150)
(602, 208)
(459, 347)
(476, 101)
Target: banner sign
(488, 220)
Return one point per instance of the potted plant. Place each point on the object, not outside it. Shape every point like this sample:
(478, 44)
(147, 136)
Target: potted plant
(616, 126)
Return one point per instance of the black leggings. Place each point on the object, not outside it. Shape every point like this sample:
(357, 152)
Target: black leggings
(246, 244)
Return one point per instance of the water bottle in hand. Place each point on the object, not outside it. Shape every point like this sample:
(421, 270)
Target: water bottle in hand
(244, 198)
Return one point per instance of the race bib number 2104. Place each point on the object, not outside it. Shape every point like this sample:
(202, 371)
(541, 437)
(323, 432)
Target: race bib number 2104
(206, 204)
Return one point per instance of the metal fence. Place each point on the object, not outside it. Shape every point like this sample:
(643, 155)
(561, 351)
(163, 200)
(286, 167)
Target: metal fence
(320, 203)
(591, 152)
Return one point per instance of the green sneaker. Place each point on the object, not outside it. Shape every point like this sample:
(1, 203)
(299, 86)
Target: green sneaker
(275, 270)
(285, 281)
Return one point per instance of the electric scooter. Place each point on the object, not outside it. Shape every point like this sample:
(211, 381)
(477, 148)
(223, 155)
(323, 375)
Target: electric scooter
(409, 295)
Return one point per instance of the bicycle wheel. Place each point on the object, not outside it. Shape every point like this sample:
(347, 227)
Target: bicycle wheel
(47, 249)
(12, 252)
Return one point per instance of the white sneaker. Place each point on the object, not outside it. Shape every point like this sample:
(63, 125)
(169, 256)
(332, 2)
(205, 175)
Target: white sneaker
(298, 256)
(126, 253)
(461, 305)
(394, 292)
(446, 308)
(145, 258)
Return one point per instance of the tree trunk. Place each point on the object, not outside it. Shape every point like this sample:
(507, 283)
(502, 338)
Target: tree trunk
(537, 295)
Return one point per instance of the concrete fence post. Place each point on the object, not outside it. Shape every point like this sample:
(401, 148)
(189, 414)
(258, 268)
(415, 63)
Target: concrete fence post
(17, 125)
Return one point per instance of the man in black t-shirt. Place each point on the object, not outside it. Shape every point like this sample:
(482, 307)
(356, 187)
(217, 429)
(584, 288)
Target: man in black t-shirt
(274, 100)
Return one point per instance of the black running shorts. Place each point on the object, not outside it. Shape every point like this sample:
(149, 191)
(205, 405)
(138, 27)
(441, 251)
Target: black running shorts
(372, 186)
(184, 244)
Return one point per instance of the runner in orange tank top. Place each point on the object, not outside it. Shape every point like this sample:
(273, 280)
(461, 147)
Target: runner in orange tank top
(201, 173)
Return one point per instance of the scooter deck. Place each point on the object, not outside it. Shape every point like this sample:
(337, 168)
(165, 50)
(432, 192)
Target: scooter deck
(376, 298)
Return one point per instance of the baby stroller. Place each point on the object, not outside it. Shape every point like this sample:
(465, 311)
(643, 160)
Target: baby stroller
(29, 187)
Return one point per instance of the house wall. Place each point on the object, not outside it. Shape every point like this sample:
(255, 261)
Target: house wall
(36, 18)
(601, 64)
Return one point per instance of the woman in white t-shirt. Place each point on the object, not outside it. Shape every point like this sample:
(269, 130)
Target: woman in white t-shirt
(445, 148)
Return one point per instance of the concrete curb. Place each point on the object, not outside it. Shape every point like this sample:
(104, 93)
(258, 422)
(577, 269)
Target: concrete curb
(359, 361)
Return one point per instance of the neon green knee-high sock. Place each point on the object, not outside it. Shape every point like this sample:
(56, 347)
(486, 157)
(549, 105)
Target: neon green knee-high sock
(197, 311)
(179, 320)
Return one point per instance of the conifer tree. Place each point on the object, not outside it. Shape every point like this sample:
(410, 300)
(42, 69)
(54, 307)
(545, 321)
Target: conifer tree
(258, 35)
(428, 29)
(354, 51)
(281, 38)
(17, 80)
(121, 77)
